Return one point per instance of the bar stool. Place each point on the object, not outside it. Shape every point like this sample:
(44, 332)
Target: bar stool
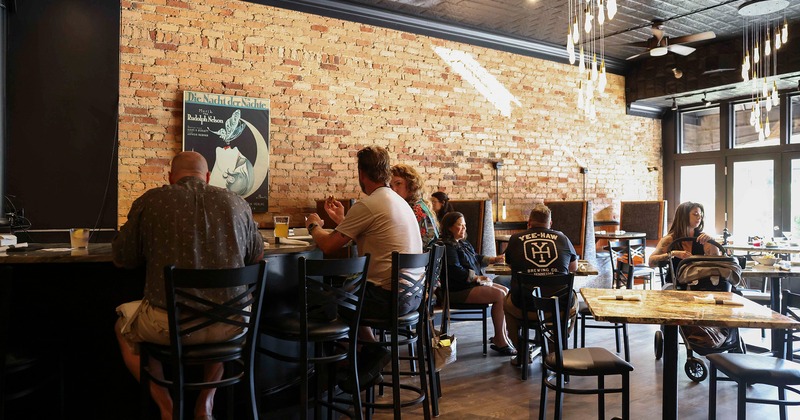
(403, 330)
(330, 296)
(190, 311)
(435, 264)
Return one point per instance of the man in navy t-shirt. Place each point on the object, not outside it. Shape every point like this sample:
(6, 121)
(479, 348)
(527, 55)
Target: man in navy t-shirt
(539, 251)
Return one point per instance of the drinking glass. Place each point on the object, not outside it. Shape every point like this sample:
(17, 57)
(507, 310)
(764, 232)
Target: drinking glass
(79, 237)
(281, 226)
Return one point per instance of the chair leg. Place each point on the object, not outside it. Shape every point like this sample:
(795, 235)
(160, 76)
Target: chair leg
(423, 371)
(626, 396)
(583, 330)
(559, 406)
(712, 392)
(485, 333)
(616, 337)
(741, 403)
(601, 398)
(543, 397)
(782, 397)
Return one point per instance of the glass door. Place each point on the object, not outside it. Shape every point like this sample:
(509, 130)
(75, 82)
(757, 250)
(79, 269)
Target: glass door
(791, 193)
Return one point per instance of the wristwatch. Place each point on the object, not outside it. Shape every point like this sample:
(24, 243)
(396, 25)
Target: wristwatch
(312, 226)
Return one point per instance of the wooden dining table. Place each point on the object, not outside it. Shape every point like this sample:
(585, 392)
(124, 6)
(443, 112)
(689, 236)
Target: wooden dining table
(673, 308)
(776, 274)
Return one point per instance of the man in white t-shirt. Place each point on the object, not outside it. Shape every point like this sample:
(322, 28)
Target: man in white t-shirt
(381, 223)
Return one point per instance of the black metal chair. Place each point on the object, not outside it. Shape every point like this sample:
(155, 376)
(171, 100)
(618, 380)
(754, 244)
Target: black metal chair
(330, 296)
(24, 373)
(403, 330)
(629, 262)
(435, 263)
(589, 361)
(791, 305)
(555, 285)
(751, 369)
(460, 311)
(190, 310)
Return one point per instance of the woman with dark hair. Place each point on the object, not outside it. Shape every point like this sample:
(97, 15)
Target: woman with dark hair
(441, 204)
(466, 282)
(688, 222)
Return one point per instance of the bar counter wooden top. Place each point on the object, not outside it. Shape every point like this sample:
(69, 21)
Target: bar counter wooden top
(62, 253)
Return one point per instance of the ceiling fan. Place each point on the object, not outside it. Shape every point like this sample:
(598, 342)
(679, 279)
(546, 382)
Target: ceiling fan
(659, 44)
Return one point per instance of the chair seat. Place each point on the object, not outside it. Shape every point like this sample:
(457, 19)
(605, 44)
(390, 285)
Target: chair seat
(411, 318)
(201, 351)
(289, 327)
(589, 361)
(752, 368)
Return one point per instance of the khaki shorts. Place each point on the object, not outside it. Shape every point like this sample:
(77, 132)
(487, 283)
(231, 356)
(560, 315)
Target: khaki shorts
(142, 322)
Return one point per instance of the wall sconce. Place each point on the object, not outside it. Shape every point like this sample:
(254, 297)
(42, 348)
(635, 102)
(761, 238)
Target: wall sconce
(584, 170)
(497, 166)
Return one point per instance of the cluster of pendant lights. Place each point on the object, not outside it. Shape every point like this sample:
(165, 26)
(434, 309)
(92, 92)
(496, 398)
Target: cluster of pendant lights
(586, 19)
(762, 38)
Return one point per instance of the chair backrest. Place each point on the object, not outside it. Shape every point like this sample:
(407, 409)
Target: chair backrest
(433, 272)
(523, 284)
(345, 252)
(575, 220)
(332, 287)
(408, 278)
(551, 327)
(649, 217)
(480, 224)
(625, 255)
(190, 309)
(790, 306)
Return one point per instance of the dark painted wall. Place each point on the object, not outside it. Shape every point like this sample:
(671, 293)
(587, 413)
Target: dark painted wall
(63, 90)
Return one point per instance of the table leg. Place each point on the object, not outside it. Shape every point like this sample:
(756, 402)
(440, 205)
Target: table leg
(669, 402)
(777, 334)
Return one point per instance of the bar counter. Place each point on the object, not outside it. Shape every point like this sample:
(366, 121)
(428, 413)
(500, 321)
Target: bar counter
(65, 302)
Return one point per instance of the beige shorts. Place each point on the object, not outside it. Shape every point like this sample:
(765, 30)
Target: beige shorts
(140, 321)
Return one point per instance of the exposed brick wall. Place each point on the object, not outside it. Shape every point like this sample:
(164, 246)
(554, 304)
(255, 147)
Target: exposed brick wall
(336, 86)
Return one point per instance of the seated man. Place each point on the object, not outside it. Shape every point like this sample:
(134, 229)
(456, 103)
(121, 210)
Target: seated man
(189, 224)
(380, 223)
(540, 251)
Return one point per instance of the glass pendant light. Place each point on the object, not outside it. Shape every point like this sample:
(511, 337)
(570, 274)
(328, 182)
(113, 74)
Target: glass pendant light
(612, 9)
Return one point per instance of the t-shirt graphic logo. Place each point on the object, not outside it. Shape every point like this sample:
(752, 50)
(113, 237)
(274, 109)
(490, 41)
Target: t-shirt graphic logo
(540, 252)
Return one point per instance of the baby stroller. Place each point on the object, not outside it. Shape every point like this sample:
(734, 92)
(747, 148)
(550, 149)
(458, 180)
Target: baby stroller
(706, 273)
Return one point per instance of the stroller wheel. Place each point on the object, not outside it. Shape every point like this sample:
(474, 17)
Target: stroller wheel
(696, 370)
(658, 344)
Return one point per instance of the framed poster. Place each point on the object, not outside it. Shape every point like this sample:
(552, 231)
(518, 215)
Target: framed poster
(232, 133)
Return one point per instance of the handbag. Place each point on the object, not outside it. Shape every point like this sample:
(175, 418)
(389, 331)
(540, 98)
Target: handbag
(443, 344)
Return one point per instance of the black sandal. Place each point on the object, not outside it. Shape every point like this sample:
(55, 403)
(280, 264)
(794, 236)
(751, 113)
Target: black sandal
(505, 351)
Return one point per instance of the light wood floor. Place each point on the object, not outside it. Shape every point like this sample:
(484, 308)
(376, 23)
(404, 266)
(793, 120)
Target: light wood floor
(478, 387)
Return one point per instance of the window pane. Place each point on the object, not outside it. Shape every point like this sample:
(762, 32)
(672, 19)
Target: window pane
(795, 197)
(753, 199)
(700, 130)
(698, 184)
(746, 134)
(795, 104)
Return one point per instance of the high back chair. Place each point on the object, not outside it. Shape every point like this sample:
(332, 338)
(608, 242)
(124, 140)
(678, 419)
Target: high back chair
(554, 285)
(649, 217)
(330, 297)
(575, 220)
(24, 374)
(480, 224)
(791, 308)
(191, 310)
(344, 252)
(408, 278)
(750, 369)
(588, 361)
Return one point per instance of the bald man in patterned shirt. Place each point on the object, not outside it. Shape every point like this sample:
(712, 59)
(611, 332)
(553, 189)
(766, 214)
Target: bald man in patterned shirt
(189, 224)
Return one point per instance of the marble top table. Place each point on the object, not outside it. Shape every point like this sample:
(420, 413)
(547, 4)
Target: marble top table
(672, 308)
